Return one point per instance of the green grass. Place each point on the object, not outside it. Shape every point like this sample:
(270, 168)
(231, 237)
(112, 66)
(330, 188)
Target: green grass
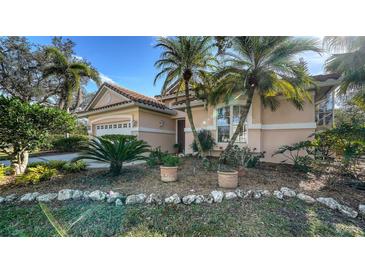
(266, 217)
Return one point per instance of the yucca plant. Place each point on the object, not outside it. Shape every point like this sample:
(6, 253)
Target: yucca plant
(115, 152)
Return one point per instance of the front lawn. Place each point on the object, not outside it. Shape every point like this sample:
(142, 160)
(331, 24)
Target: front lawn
(264, 217)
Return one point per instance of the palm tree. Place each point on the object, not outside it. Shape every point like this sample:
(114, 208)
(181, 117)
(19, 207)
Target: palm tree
(184, 60)
(266, 66)
(349, 61)
(115, 152)
(72, 72)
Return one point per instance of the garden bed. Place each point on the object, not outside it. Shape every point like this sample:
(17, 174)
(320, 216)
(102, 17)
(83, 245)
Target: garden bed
(193, 178)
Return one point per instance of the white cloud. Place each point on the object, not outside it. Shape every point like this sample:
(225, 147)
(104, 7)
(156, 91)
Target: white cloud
(105, 78)
(79, 58)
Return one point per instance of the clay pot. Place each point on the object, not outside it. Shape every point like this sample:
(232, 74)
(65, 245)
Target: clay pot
(228, 179)
(168, 174)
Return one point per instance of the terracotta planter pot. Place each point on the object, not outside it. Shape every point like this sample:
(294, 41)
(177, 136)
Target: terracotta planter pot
(241, 171)
(168, 174)
(228, 179)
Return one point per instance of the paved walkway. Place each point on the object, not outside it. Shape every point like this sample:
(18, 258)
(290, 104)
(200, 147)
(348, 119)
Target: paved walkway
(69, 157)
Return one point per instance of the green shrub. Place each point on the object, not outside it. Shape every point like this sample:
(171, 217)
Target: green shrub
(155, 157)
(297, 154)
(206, 140)
(5, 170)
(74, 167)
(37, 174)
(114, 152)
(350, 160)
(61, 165)
(170, 161)
(71, 144)
(243, 157)
(113, 137)
(57, 164)
(343, 145)
(2, 171)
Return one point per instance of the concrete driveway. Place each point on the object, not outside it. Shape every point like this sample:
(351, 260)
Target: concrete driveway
(69, 157)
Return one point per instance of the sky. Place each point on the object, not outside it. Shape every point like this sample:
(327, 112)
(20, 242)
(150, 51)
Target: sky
(129, 61)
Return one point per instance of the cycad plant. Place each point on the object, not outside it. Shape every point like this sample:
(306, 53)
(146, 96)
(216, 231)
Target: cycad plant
(266, 65)
(115, 152)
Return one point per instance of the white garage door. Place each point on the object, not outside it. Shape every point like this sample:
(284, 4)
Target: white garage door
(114, 128)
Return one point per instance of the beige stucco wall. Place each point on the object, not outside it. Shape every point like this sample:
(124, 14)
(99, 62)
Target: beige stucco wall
(273, 139)
(108, 98)
(152, 119)
(264, 125)
(163, 140)
(287, 113)
(163, 124)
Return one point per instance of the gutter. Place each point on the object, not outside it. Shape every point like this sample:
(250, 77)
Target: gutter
(87, 113)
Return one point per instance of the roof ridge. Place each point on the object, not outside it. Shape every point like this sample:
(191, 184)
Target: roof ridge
(129, 90)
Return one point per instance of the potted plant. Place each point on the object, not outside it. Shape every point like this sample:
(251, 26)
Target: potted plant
(243, 158)
(169, 168)
(177, 148)
(227, 177)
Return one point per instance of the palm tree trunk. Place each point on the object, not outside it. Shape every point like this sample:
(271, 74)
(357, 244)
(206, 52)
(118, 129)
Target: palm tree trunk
(116, 168)
(190, 118)
(243, 116)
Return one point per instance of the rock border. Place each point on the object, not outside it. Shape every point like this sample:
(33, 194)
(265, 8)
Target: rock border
(216, 196)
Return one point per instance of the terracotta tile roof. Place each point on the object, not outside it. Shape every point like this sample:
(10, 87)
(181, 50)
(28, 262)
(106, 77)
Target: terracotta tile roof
(136, 97)
(325, 77)
(107, 106)
(320, 77)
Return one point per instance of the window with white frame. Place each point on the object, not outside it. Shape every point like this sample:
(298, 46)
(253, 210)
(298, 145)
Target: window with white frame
(228, 118)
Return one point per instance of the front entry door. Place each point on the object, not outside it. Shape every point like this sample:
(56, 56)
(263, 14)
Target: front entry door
(181, 135)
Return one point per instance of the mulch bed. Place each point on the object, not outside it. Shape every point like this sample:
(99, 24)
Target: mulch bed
(194, 178)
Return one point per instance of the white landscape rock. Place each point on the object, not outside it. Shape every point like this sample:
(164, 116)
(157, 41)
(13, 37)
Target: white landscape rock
(173, 199)
(47, 197)
(153, 199)
(230, 195)
(65, 194)
(257, 194)
(29, 197)
(2, 199)
(278, 194)
(217, 196)
(97, 195)
(199, 199)
(240, 193)
(329, 202)
(118, 202)
(265, 193)
(189, 199)
(348, 211)
(86, 194)
(362, 209)
(135, 199)
(287, 192)
(77, 195)
(113, 196)
(306, 198)
(10, 198)
(248, 194)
